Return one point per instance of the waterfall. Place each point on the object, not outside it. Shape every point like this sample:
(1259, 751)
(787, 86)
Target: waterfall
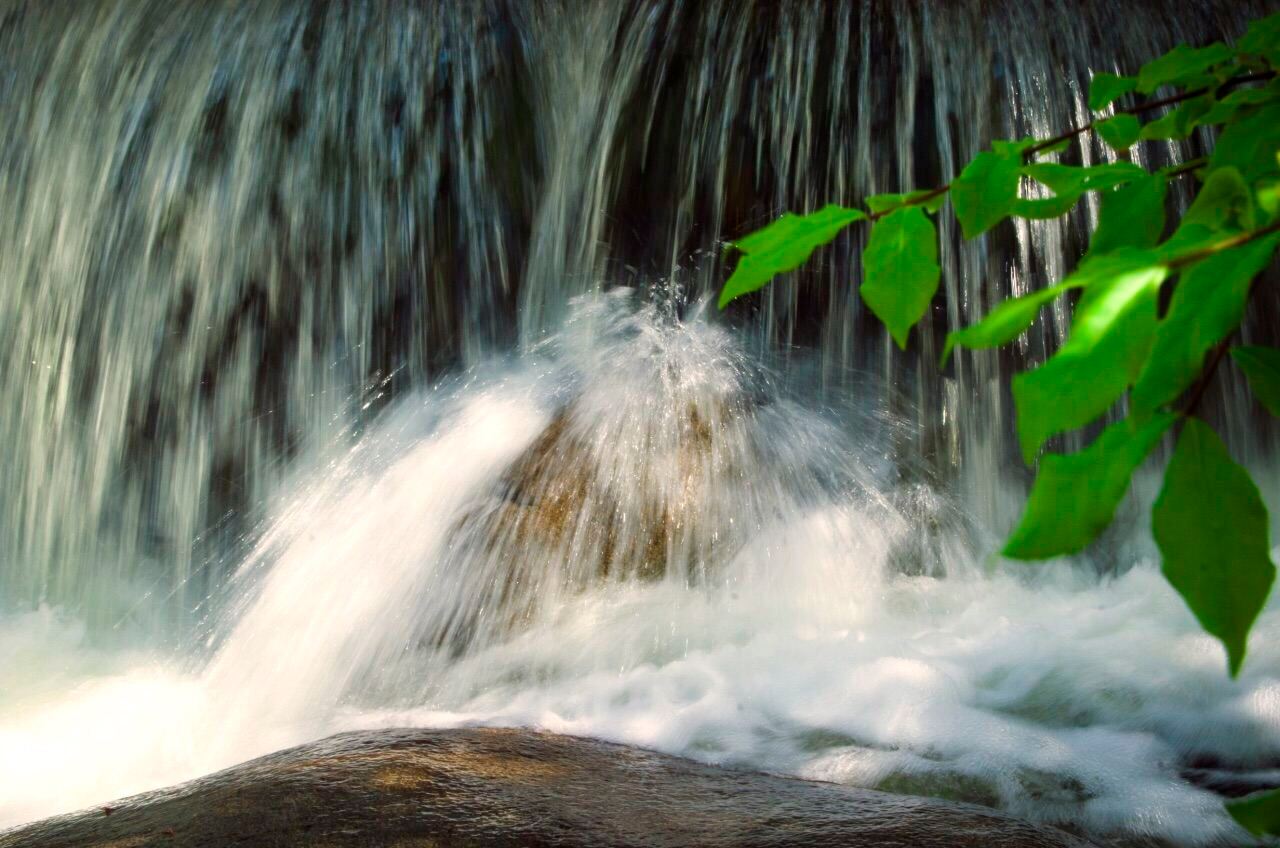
(306, 307)
(231, 234)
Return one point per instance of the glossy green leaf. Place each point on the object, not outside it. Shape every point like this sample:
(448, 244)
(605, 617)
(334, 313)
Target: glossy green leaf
(1207, 306)
(1250, 144)
(1007, 321)
(1223, 202)
(1234, 103)
(1268, 197)
(1009, 148)
(1262, 36)
(1011, 317)
(1178, 123)
(1131, 215)
(1069, 179)
(1258, 813)
(900, 270)
(984, 193)
(1105, 88)
(1262, 366)
(1119, 132)
(1180, 64)
(929, 199)
(1212, 530)
(1111, 334)
(1056, 147)
(1044, 208)
(1068, 182)
(1185, 239)
(1075, 496)
(782, 246)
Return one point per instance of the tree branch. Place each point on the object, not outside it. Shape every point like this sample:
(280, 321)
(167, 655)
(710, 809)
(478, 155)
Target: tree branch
(1191, 257)
(1075, 131)
(1146, 107)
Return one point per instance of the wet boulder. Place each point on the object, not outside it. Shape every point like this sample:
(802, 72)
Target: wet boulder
(489, 787)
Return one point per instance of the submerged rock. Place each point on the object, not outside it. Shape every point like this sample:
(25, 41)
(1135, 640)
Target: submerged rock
(488, 787)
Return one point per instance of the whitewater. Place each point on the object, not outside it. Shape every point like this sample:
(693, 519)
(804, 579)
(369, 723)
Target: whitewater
(812, 648)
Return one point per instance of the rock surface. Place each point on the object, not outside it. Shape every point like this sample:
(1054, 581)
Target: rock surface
(486, 787)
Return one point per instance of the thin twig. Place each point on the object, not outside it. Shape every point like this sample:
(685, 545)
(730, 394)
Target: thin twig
(1187, 167)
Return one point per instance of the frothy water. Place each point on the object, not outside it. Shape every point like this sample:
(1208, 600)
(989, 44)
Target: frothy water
(786, 632)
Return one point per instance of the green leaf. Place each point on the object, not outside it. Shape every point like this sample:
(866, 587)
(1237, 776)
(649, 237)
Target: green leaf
(1179, 64)
(1269, 197)
(1178, 123)
(1068, 179)
(1230, 106)
(1258, 813)
(1211, 527)
(1110, 335)
(1186, 238)
(1262, 366)
(1223, 202)
(1075, 496)
(1044, 208)
(878, 203)
(1010, 148)
(1056, 147)
(1262, 36)
(1104, 88)
(1207, 306)
(984, 193)
(1068, 183)
(782, 246)
(1010, 317)
(1131, 216)
(1004, 323)
(1250, 144)
(900, 270)
(1119, 132)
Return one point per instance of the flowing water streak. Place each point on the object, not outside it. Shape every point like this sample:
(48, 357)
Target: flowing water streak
(216, 219)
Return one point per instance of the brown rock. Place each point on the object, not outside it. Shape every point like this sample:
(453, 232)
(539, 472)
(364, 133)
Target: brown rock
(487, 787)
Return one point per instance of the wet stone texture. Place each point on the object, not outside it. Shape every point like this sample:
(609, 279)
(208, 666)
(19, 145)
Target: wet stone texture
(487, 787)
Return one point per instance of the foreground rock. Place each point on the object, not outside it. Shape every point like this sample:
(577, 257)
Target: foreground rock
(437, 789)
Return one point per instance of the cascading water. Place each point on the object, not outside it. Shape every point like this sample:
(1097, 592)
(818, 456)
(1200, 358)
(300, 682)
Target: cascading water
(316, 413)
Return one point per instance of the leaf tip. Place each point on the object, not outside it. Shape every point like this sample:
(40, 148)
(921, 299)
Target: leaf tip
(947, 347)
(1235, 660)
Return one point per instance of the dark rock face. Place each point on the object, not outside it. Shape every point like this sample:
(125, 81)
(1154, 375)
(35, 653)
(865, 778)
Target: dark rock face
(439, 789)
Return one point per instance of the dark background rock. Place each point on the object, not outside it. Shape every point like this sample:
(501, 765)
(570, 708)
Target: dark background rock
(488, 787)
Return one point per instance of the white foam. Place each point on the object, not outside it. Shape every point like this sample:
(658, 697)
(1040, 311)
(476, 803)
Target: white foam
(1040, 689)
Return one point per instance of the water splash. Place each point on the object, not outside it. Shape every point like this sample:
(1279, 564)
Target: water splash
(440, 573)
